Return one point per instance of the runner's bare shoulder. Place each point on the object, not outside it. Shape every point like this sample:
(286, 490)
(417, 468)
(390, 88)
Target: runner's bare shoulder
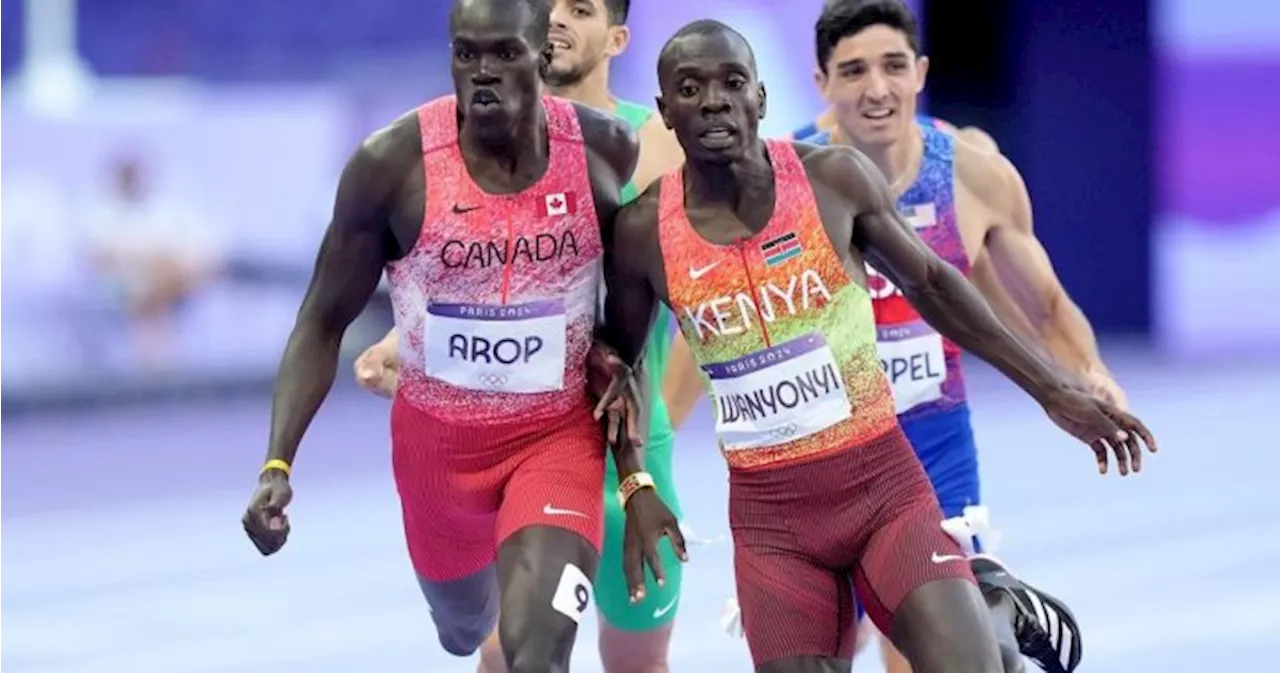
(610, 138)
(637, 222)
(394, 148)
(376, 170)
(841, 170)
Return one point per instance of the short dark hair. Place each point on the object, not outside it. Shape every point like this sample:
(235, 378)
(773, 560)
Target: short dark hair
(703, 28)
(844, 18)
(618, 11)
(540, 11)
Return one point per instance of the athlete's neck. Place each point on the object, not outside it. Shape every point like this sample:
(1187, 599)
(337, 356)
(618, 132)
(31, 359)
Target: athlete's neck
(899, 161)
(745, 186)
(592, 89)
(520, 149)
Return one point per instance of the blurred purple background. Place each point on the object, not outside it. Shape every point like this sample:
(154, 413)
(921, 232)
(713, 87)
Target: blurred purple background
(169, 172)
(1217, 173)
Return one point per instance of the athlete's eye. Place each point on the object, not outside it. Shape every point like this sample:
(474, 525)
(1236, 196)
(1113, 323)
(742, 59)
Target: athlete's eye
(463, 54)
(851, 72)
(507, 54)
(687, 90)
(735, 83)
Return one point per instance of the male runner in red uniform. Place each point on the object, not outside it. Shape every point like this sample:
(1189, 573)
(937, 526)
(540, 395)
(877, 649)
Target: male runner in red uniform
(484, 207)
(759, 247)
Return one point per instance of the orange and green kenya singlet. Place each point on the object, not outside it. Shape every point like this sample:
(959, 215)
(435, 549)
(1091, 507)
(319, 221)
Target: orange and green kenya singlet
(786, 341)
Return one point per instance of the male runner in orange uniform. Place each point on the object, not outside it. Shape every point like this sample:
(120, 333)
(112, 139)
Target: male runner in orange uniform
(759, 248)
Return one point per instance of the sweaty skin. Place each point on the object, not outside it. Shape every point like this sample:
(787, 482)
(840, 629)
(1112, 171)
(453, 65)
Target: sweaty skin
(859, 216)
(713, 101)
(585, 36)
(377, 217)
(1010, 266)
(377, 368)
(878, 68)
(1013, 270)
(660, 153)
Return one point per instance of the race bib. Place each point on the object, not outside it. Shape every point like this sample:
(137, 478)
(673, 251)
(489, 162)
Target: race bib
(778, 395)
(912, 358)
(515, 348)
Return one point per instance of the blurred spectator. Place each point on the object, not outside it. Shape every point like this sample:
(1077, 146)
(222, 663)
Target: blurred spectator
(154, 252)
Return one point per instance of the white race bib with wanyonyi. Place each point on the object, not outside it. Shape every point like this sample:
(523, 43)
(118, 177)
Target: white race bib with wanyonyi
(778, 395)
(913, 361)
(513, 348)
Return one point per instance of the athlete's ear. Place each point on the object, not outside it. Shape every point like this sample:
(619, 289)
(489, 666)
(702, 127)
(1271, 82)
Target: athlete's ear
(619, 38)
(661, 104)
(764, 101)
(922, 72)
(820, 81)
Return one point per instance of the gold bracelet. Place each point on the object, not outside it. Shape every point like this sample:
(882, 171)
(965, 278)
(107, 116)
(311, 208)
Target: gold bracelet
(275, 464)
(632, 485)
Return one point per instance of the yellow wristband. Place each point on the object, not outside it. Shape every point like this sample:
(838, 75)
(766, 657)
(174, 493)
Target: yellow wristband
(275, 464)
(632, 484)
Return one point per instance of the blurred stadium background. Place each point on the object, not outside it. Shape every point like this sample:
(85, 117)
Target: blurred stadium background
(167, 173)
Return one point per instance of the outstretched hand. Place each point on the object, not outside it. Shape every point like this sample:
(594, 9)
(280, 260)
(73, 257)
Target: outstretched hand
(613, 383)
(1105, 427)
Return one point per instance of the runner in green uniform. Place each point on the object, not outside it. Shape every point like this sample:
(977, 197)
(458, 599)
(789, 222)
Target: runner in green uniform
(634, 638)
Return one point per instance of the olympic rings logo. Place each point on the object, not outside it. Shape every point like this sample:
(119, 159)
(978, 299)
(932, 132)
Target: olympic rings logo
(492, 380)
(784, 431)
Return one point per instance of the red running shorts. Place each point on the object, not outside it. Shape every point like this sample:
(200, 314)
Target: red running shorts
(809, 534)
(465, 490)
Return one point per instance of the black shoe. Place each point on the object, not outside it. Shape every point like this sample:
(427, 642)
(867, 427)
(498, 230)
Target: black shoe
(1046, 630)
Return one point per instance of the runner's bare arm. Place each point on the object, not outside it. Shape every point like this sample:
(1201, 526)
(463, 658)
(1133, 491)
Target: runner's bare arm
(978, 139)
(660, 153)
(346, 273)
(630, 305)
(1025, 272)
(612, 153)
(942, 295)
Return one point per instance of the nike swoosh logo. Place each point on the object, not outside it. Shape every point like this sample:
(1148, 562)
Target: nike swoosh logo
(556, 511)
(698, 273)
(658, 612)
(943, 558)
(459, 209)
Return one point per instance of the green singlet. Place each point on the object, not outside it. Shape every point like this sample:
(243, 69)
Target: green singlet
(612, 598)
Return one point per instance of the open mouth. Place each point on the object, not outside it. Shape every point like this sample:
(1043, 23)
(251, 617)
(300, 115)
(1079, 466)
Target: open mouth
(559, 43)
(718, 137)
(878, 114)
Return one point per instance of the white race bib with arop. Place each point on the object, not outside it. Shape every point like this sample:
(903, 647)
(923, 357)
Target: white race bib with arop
(913, 361)
(778, 395)
(511, 348)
